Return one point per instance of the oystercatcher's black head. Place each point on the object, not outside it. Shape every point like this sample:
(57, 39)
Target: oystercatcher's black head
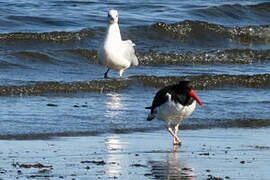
(184, 88)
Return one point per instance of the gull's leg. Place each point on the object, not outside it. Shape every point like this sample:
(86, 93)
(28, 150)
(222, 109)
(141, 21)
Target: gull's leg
(106, 73)
(120, 73)
(176, 140)
(174, 136)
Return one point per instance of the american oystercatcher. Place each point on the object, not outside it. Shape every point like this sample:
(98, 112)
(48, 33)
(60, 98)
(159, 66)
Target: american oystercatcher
(114, 52)
(173, 104)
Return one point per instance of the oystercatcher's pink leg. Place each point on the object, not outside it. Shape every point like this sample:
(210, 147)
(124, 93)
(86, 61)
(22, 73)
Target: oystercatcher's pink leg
(175, 137)
(175, 141)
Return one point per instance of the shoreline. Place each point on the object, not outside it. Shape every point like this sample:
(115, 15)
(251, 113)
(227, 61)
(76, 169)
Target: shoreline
(233, 153)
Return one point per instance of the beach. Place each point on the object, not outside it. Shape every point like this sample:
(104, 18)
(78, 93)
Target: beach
(61, 119)
(240, 153)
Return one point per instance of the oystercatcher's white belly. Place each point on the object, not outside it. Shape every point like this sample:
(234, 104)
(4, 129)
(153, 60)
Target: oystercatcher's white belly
(174, 111)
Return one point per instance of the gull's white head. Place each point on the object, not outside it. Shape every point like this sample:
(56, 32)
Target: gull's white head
(113, 16)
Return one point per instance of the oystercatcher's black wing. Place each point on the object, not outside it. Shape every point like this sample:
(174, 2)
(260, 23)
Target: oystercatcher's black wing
(160, 98)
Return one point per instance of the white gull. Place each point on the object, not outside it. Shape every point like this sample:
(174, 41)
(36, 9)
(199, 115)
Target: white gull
(115, 53)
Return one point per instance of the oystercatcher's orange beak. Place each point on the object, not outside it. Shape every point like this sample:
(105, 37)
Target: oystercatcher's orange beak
(192, 93)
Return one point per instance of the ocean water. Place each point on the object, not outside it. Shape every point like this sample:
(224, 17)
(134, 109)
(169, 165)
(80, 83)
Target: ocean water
(51, 84)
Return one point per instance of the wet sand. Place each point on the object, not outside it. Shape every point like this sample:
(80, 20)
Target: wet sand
(233, 153)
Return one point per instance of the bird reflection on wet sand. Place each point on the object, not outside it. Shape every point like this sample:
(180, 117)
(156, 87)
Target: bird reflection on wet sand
(172, 168)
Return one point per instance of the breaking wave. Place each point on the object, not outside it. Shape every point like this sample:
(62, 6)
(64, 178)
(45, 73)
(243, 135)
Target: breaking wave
(231, 123)
(194, 31)
(227, 56)
(188, 31)
(198, 82)
(46, 36)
